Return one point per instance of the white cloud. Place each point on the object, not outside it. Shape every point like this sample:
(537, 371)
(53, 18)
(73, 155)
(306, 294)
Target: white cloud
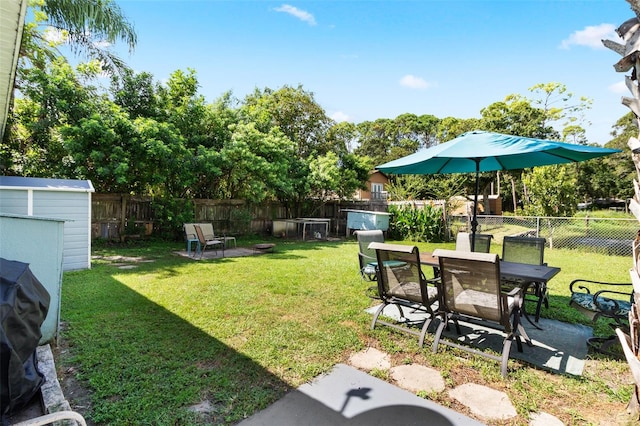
(302, 15)
(619, 87)
(413, 82)
(340, 116)
(591, 36)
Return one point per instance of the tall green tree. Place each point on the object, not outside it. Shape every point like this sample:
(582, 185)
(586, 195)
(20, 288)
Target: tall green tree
(551, 190)
(295, 112)
(385, 139)
(137, 94)
(52, 96)
(333, 176)
(452, 127)
(256, 166)
(562, 110)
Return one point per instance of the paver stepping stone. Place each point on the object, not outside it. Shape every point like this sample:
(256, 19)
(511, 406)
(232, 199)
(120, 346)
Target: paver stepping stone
(484, 401)
(544, 419)
(369, 359)
(416, 378)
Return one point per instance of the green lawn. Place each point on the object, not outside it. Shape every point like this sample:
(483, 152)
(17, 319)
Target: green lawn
(239, 332)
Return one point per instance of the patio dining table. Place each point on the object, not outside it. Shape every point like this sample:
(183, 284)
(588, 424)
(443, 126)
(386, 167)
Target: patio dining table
(523, 273)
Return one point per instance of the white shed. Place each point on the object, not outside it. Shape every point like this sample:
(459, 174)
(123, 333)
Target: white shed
(65, 199)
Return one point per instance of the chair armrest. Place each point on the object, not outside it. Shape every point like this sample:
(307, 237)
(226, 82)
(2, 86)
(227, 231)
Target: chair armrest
(366, 259)
(514, 291)
(598, 297)
(580, 286)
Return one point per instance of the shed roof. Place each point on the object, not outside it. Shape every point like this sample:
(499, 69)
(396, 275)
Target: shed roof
(45, 184)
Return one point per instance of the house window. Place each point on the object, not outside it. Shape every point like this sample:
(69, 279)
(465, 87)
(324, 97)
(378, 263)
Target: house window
(376, 187)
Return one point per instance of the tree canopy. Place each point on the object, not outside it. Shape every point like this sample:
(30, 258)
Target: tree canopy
(142, 136)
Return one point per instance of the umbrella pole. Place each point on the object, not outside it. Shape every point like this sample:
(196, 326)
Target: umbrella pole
(474, 220)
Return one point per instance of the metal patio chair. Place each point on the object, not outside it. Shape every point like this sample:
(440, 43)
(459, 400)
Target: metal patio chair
(207, 241)
(529, 250)
(610, 300)
(402, 283)
(471, 291)
(482, 244)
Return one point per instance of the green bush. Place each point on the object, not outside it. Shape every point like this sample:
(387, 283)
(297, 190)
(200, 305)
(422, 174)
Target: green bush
(416, 224)
(170, 214)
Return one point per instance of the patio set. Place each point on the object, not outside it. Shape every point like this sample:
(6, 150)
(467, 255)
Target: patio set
(477, 288)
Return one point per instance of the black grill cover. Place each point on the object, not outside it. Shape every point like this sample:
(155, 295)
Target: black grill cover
(24, 303)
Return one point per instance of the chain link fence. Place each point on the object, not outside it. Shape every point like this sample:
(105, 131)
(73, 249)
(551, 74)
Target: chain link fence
(600, 235)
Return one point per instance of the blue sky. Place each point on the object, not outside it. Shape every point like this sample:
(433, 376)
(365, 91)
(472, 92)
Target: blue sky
(365, 60)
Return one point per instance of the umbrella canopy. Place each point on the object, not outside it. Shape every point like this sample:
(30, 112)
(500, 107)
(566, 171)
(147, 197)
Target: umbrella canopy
(480, 151)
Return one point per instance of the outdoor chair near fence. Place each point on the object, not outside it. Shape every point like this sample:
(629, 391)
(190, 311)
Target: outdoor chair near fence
(482, 242)
(366, 256)
(602, 300)
(191, 238)
(209, 234)
(529, 250)
(401, 283)
(471, 292)
(206, 241)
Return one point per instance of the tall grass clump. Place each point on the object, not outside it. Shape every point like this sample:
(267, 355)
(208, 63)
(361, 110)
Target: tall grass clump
(408, 222)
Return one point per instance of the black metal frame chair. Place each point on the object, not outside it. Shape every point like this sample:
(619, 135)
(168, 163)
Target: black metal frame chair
(402, 283)
(471, 291)
(528, 250)
(606, 302)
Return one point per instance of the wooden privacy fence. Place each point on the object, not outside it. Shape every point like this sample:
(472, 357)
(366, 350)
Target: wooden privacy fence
(115, 216)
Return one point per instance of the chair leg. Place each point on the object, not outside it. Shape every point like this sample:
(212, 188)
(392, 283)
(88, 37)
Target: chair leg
(438, 335)
(425, 327)
(603, 344)
(506, 349)
(377, 314)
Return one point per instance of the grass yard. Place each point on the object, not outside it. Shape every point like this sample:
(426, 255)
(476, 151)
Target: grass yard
(148, 343)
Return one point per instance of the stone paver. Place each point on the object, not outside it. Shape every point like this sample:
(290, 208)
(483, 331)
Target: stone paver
(544, 419)
(484, 401)
(370, 359)
(416, 378)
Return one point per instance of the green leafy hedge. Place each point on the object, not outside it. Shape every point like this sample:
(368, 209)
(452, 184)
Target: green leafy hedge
(416, 224)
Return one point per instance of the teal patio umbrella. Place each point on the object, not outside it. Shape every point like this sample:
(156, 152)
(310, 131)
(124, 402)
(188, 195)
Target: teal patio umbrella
(479, 151)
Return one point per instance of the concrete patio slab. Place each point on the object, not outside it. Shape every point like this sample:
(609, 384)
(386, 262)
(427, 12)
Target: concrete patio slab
(213, 254)
(558, 347)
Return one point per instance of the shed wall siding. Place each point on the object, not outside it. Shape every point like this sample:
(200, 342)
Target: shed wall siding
(14, 202)
(73, 207)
